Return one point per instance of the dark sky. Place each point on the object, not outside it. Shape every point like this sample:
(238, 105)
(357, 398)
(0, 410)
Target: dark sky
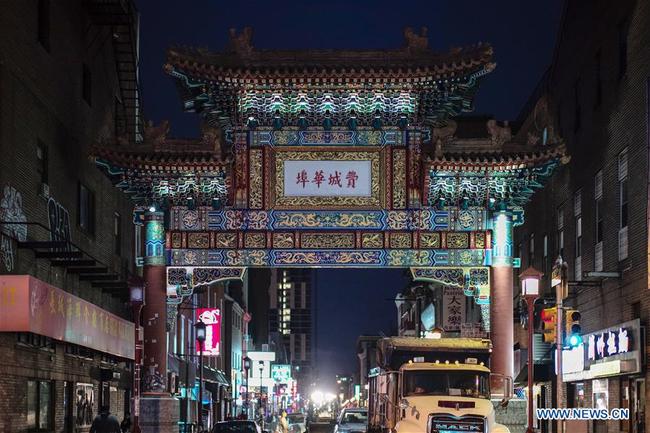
(521, 32)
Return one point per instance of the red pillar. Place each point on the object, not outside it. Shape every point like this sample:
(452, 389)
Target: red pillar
(154, 313)
(154, 317)
(159, 412)
(501, 297)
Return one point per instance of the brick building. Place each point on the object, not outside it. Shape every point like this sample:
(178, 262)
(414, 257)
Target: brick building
(63, 73)
(594, 212)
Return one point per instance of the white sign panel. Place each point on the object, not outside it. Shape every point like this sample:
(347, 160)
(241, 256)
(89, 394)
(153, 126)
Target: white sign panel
(453, 308)
(327, 178)
(573, 360)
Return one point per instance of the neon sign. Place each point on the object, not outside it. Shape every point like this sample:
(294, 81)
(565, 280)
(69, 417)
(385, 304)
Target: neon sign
(212, 319)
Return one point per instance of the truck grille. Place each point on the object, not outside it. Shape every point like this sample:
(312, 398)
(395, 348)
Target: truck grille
(454, 424)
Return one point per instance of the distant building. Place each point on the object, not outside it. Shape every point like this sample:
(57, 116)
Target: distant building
(259, 280)
(291, 318)
(367, 353)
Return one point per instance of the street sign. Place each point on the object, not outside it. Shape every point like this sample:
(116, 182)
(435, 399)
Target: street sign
(281, 372)
(556, 275)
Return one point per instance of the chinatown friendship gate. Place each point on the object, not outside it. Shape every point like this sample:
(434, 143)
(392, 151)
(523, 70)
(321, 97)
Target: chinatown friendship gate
(323, 158)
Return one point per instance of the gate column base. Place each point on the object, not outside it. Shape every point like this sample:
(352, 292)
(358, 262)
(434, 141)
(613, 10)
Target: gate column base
(159, 414)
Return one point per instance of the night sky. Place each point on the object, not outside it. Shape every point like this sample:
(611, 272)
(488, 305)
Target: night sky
(523, 36)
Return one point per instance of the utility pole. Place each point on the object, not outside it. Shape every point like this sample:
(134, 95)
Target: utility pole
(559, 280)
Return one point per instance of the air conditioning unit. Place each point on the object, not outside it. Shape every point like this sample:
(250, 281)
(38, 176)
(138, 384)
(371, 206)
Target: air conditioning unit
(44, 190)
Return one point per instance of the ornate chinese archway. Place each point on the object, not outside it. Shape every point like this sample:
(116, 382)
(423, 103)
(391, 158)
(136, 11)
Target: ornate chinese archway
(317, 159)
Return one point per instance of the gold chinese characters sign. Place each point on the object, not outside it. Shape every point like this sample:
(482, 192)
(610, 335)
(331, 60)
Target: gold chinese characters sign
(318, 179)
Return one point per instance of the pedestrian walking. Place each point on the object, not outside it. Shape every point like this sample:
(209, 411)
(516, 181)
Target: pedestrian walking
(284, 423)
(125, 426)
(105, 422)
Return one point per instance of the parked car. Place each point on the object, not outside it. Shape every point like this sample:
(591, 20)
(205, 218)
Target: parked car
(236, 426)
(353, 420)
(297, 422)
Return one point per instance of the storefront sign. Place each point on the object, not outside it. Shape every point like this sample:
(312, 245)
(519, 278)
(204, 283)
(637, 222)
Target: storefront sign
(453, 308)
(327, 178)
(281, 373)
(212, 319)
(608, 343)
(28, 304)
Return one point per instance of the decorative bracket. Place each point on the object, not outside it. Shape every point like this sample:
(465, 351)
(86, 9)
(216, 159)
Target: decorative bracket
(181, 280)
(475, 281)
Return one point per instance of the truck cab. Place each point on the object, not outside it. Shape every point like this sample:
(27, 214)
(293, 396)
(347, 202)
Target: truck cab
(428, 386)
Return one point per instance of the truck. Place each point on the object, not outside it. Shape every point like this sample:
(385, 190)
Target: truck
(439, 385)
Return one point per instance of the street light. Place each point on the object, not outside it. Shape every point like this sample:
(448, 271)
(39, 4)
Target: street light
(247, 368)
(530, 291)
(136, 298)
(261, 368)
(200, 338)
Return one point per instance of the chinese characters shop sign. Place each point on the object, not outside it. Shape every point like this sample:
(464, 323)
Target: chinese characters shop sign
(212, 319)
(327, 178)
(453, 304)
(28, 304)
(608, 343)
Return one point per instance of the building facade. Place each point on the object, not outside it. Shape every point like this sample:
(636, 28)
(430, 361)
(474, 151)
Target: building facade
(66, 331)
(291, 307)
(594, 212)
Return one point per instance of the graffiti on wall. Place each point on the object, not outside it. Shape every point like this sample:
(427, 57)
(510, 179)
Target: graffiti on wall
(12, 227)
(59, 220)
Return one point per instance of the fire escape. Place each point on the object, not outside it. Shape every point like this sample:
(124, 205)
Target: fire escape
(121, 18)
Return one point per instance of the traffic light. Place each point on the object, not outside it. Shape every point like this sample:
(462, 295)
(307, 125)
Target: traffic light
(573, 328)
(549, 323)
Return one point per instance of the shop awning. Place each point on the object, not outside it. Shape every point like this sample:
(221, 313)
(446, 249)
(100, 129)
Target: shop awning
(541, 373)
(214, 375)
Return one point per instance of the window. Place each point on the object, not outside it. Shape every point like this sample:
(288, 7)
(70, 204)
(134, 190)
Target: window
(598, 194)
(86, 210)
(39, 405)
(623, 203)
(531, 249)
(636, 310)
(117, 233)
(86, 84)
(598, 79)
(36, 340)
(42, 161)
(545, 254)
(576, 103)
(599, 222)
(577, 213)
(623, 206)
(44, 24)
(577, 201)
(560, 232)
(622, 48)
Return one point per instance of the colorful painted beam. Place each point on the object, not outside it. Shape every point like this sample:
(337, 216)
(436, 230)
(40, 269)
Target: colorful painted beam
(330, 258)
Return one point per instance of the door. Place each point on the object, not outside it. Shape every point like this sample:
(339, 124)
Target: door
(68, 403)
(638, 409)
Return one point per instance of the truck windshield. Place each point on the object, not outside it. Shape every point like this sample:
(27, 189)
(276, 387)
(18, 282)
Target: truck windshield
(464, 383)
